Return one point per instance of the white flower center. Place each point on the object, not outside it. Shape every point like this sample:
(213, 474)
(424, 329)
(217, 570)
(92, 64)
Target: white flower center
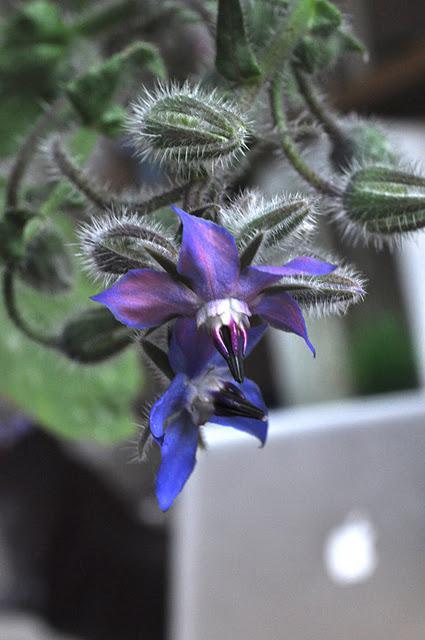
(226, 311)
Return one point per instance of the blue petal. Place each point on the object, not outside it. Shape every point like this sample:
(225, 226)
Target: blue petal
(190, 348)
(256, 428)
(254, 280)
(170, 403)
(178, 459)
(208, 257)
(303, 265)
(282, 312)
(145, 298)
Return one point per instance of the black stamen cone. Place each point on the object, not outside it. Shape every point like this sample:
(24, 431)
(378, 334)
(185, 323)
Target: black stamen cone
(234, 360)
(235, 364)
(230, 401)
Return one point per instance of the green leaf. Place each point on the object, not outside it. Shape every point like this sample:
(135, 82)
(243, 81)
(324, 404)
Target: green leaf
(326, 41)
(33, 60)
(235, 59)
(90, 402)
(91, 93)
(293, 27)
(99, 19)
(35, 22)
(71, 401)
(327, 17)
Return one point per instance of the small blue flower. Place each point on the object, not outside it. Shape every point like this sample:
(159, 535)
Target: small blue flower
(213, 289)
(202, 391)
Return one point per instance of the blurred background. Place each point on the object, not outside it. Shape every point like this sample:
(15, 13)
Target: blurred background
(84, 551)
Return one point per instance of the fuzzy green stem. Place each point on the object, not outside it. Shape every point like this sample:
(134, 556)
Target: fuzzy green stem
(289, 147)
(15, 316)
(98, 196)
(27, 152)
(281, 46)
(316, 106)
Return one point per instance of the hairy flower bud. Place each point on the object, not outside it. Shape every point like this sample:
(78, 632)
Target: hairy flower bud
(93, 336)
(331, 294)
(187, 128)
(46, 264)
(381, 203)
(282, 221)
(113, 244)
(360, 142)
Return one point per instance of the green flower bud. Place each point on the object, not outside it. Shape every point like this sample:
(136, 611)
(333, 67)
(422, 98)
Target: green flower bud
(382, 203)
(326, 295)
(327, 41)
(112, 244)
(358, 143)
(46, 264)
(93, 336)
(187, 128)
(282, 221)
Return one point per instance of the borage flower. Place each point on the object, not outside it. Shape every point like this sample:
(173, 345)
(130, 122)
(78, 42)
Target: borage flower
(202, 391)
(211, 286)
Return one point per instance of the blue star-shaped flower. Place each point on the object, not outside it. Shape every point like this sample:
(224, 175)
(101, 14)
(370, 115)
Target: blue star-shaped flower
(202, 391)
(212, 288)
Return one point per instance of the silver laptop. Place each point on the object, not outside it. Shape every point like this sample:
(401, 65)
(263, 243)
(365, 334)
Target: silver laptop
(318, 536)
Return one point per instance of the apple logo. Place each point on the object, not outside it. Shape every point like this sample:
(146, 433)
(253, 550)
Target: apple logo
(350, 554)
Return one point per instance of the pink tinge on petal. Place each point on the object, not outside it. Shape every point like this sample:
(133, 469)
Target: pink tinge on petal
(145, 298)
(282, 312)
(208, 257)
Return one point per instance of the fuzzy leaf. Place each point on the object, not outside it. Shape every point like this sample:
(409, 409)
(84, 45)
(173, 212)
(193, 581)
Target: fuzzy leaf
(235, 59)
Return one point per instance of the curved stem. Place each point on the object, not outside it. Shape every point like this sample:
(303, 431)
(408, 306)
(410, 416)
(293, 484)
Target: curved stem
(101, 198)
(317, 108)
(289, 147)
(27, 152)
(15, 316)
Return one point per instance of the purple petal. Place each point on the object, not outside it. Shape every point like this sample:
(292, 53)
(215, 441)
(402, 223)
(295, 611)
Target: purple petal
(282, 312)
(253, 280)
(145, 298)
(256, 428)
(178, 458)
(170, 403)
(208, 257)
(190, 348)
(303, 265)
